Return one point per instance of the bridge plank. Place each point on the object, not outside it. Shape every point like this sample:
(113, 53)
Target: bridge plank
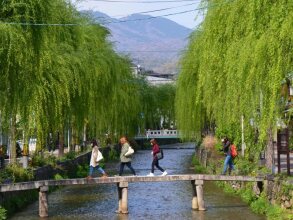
(129, 179)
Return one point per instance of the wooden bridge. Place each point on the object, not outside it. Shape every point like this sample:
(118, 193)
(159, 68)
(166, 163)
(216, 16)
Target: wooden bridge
(197, 181)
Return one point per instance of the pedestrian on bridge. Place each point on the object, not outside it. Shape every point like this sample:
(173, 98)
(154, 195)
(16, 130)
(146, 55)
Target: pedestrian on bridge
(125, 160)
(228, 159)
(155, 151)
(94, 165)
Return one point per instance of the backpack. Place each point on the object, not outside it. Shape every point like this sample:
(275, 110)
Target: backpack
(160, 155)
(233, 151)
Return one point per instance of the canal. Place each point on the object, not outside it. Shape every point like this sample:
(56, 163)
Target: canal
(170, 200)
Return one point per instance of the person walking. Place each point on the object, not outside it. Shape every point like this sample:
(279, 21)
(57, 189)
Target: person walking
(155, 151)
(2, 158)
(94, 165)
(228, 159)
(125, 160)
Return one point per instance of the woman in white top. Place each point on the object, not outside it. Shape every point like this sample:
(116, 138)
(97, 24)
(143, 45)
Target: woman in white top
(94, 165)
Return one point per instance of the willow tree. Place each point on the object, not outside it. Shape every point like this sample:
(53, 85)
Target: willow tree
(234, 66)
(52, 74)
(23, 59)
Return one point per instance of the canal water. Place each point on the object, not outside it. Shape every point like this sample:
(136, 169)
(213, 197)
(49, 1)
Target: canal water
(166, 200)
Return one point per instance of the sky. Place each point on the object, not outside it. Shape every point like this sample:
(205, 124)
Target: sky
(117, 9)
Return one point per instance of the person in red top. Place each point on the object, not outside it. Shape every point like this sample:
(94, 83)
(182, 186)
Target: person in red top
(156, 149)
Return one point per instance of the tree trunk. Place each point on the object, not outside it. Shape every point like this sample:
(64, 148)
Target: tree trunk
(1, 135)
(84, 136)
(61, 143)
(12, 144)
(270, 151)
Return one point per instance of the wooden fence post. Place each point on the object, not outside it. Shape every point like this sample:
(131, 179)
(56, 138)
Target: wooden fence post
(43, 201)
(199, 192)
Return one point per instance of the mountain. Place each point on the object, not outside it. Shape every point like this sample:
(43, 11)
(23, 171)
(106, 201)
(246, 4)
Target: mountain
(161, 37)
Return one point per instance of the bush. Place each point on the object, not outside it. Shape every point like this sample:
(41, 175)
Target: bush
(19, 174)
(82, 171)
(247, 194)
(2, 213)
(260, 205)
(209, 142)
(113, 155)
(277, 213)
(197, 166)
(58, 177)
(51, 160)
(4, 175)
(38, 161)
(70, 155)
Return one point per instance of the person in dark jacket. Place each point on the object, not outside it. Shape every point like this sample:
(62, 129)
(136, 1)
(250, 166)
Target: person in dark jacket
(155, 151)
(228, 159)
(2, 159)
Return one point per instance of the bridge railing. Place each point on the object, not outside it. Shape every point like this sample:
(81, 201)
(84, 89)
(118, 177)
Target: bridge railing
(164, 133)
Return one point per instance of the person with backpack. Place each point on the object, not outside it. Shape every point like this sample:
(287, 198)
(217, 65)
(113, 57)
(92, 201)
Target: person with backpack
(228, 159)
(124, 158)
(156, 151)
(94, 164)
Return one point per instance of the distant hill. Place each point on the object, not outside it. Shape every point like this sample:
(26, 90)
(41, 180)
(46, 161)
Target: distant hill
(158, 35)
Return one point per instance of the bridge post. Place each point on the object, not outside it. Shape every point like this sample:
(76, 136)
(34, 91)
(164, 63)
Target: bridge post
(199, 192)
(194, 203)
(123, 197)
(43, 201)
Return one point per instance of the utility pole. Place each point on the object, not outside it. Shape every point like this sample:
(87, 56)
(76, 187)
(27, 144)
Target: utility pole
(242, 136)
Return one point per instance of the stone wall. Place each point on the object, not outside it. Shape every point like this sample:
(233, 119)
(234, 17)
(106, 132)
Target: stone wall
(281, 193)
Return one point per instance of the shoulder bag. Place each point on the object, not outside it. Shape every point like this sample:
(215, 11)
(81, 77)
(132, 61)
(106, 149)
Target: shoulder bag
(160, 155)
(129, 152)
(99, 156)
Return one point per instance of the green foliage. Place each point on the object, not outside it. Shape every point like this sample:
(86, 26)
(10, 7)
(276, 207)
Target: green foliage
(247, 194)
(82, 171)
(38, 160)
(277, 213)
(197, 166)
(195, 161)
(234, 66)
(218, 147)
(287, 190)
(68, 77)
(273, 212)
(19, 174)
(2, 213)
(58, 177)
(260, 205)
(113, 155)
(4, 175)
(70, 155)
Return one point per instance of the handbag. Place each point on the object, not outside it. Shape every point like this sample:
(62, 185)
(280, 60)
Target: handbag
(129, 152)
(160, 155)
(99, 156)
